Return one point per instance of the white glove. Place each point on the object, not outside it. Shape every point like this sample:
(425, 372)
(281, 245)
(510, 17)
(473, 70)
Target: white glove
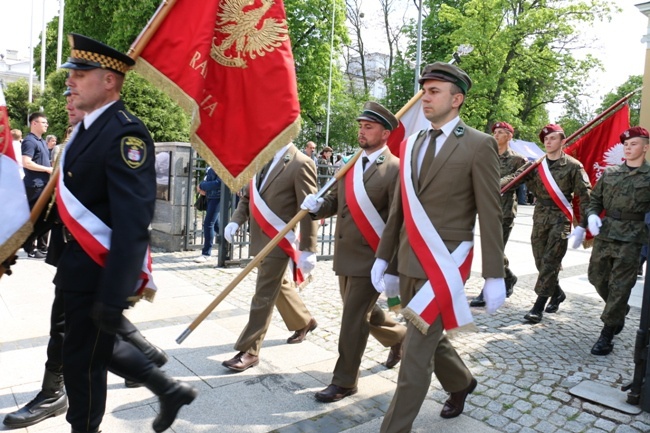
(595, 224)
(229, 231)
(576, 237)
(311, 203)
(377, 275)
(494, 293)
(391, 282)
(307, 262)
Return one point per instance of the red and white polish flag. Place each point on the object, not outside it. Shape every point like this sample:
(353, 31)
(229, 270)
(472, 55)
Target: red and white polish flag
(410, 122)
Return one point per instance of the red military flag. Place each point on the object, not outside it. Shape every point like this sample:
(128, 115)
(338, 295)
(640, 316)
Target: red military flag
(15, 226)
(229, 64)
(601, 146)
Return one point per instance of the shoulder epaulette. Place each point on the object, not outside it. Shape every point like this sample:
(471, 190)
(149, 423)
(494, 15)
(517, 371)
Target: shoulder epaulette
(124, 117)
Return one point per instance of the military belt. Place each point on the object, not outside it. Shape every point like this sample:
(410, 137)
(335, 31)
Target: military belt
(629, 216)
(67, 236)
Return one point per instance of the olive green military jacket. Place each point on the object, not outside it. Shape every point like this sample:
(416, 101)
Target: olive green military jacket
(621, 190)
(572, 180)
(509, 162)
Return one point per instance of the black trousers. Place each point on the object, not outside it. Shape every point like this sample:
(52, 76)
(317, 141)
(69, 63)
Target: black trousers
(89, 353)
(33, 194)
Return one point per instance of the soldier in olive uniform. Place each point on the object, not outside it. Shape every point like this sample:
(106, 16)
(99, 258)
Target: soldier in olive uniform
(551, 222)
(623, 194)
(509, 162)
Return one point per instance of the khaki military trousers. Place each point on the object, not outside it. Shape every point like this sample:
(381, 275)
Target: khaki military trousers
(272, 288)
(361, 316)
(423, 356)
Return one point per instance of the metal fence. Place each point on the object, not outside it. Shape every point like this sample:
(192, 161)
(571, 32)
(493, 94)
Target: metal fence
(236, 254)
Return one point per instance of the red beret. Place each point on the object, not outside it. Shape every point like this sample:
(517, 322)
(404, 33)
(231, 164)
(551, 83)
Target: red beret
(636, 131)
(548, 129)
(503, 125)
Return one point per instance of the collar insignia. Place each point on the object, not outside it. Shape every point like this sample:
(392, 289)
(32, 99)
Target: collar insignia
(381, 159)
(459, 131)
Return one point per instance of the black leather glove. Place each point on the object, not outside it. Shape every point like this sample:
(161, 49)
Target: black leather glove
(107, 317)
(6, 265)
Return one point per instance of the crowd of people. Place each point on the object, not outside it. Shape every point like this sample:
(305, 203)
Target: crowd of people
(405, 229)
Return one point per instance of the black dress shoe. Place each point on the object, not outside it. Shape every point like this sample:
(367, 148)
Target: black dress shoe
(300, 334)
(478, 301)
(334, 393)
(394, 356)
(556, 300)
(456, 402)
(244, 362)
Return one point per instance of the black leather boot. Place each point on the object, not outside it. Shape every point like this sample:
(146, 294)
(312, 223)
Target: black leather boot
(557, 298)
(510, 281)
(50, 401)
(84, 431)
(172, 395)
(154, 353)
(604, 344)
(537, 312)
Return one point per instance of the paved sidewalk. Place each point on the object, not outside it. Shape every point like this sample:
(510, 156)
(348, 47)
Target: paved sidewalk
(524, 371)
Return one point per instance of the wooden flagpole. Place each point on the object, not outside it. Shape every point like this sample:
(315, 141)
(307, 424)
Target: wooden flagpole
(262, 254)
(150, 29)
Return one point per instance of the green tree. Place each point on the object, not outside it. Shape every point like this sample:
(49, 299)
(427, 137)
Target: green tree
(18, 107)
(522, 56)
(310, 32)
(633, 83)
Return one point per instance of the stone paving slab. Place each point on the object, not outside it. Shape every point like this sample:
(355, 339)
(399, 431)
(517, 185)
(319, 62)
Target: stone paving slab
(604, 395)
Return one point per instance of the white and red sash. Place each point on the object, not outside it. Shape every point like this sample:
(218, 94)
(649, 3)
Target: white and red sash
(271, 225)
(94, 236)
(444, 292)
(554, 190)
(363, 212)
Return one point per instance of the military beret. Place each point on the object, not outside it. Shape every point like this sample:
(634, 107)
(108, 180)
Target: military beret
(67, 92)
(635, 131)
(548, 129)
(447, 72)
(503, 125)
(374, 112)
(87, 53)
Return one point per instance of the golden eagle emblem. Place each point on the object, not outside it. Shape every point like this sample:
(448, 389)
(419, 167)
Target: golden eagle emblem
(242, 31)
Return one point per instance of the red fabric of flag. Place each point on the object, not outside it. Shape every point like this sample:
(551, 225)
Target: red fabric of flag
(229, 64)
(600, 148)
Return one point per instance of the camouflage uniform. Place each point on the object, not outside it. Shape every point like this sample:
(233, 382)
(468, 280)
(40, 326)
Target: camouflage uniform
(624, 195)
(509, 162)
(551, 227)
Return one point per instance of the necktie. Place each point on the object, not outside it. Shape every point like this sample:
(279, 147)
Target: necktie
(364, 162)
(263, 173)
(429, 154)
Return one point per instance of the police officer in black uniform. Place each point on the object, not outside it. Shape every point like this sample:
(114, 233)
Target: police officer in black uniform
(51, 400)
(108, 166)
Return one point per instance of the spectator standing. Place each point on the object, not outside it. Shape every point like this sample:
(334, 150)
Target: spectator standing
(38, 167)
(211, 189)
